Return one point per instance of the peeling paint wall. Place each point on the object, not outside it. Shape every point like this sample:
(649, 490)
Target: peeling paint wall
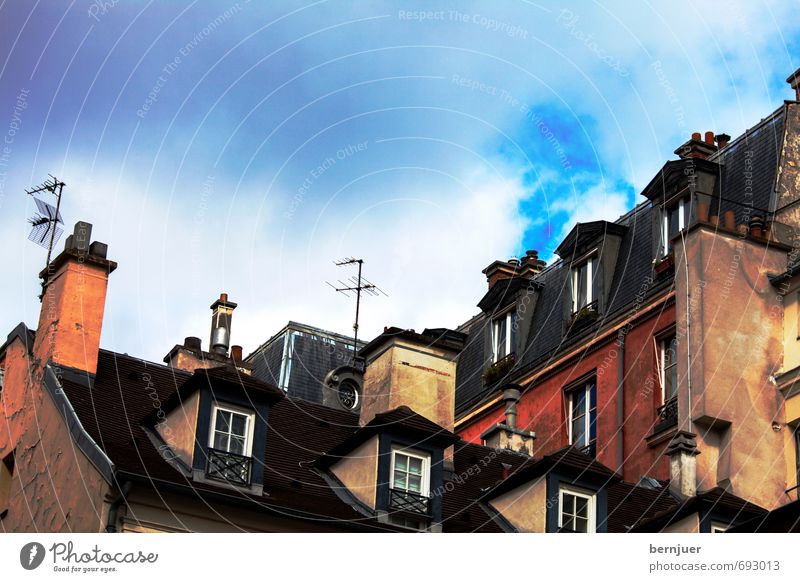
(525, 507)
(55, 488)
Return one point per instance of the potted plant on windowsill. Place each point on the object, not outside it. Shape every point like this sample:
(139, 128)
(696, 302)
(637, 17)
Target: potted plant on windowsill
(584, 316)
(498, 370)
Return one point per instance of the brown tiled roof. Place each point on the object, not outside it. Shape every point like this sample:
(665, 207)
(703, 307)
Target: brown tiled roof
(629, 505)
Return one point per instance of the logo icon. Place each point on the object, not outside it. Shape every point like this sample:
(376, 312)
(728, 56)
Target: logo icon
(31, 555)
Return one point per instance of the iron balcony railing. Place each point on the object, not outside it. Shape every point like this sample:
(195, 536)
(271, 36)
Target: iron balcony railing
(401, 500)
(229, 467)
(668, 412)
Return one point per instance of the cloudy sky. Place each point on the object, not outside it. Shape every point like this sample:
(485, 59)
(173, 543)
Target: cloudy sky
(245, 146)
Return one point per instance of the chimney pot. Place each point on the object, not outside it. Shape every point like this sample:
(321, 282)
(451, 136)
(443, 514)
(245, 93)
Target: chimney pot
(98, 249)
(223, 296)
(696, 136)
(193, 343)
(710, 137)
(722, 140)
(236, 353)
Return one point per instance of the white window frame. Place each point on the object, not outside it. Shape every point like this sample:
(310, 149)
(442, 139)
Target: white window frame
(591, 525)
(683, 203)
(662, 342)
(249, 427)
(717, 527)
(509, 320)
(586, 387)
(425, 488)
(589, 261)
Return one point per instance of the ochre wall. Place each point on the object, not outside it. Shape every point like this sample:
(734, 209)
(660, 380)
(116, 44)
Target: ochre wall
(689, 524)
(358, 471)
(525, 507)
(178, 429)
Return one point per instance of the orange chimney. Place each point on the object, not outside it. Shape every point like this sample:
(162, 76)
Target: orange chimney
(794, 83)
(698, 146)
(73, 302)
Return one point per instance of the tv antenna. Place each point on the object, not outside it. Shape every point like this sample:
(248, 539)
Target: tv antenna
(45, 231)
(356, 284)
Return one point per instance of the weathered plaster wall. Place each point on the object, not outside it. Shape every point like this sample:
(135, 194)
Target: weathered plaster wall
(179, 427)
(735, 337)
(55, 487)
(358, 471)
(525, 507)
(689, 524)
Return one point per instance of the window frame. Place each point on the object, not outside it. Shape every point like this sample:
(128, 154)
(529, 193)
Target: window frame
(683, 204)
(719, 527)
(425, 489)
(249, 427)
(509, 317)
(587, 386)
(589, 260)
(591, 506)
(662, 339)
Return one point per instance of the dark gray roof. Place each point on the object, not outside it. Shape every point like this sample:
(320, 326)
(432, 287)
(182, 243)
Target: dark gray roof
(756, 150)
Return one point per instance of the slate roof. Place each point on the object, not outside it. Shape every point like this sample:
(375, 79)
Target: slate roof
(756, 151)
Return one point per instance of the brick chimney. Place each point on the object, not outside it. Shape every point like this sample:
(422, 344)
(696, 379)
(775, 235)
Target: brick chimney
(530, 266)
(506, 435)
(697, 146)
(73, 302)
(794, 83)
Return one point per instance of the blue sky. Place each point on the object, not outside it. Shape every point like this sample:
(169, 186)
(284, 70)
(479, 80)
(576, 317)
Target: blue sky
(245, 146)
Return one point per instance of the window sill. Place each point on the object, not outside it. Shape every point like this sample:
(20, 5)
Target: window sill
(199, 476)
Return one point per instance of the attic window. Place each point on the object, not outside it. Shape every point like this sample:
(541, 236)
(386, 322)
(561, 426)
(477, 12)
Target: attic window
(575, 510)
(231, 444)
(348, 394)
(504, 335)
(410, 484)
(582, 273)
(674, 219)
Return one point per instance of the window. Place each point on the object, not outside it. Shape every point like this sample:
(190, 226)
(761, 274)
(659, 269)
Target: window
(410, 482)
(583, 416)
(674, 219)
(575, 510)
(582, 275)
(504, 335)
(232, 430)
(6, 478)
(348, 394)
(669, 367)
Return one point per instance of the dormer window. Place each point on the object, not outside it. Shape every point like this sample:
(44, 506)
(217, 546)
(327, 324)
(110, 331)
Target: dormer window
(675, 216)
(231, 444)
(582, 274)
(576, 510)
(504, 335)
(410, 484)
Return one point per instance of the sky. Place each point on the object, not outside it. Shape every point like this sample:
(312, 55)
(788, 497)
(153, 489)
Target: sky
(244, 147)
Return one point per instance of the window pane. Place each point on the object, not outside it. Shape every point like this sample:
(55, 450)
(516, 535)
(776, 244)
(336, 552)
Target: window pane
(568, 523)
(400, 481)
(223, 421)
(415, 466)
(415, 483)
(581, 525)
(221, 441)
(238, 424)
(236, 445)
(581, 507)
(400, 462)
(501, 338)
(582, 286)
(578, 403)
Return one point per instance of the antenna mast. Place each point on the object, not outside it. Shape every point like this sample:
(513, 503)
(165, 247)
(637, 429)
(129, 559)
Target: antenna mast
(45, 231)
(356, 284)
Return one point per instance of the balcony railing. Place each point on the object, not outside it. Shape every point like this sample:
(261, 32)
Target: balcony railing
(668, 414)
(401, 500)
(229, 467)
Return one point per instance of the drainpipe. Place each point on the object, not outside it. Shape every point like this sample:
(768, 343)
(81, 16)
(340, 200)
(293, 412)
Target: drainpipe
(113, 511)
(621, 401)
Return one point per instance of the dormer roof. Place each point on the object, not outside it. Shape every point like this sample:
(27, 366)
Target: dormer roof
(584, 234)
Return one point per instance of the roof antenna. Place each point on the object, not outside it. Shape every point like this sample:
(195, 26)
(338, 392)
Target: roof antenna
(356, 284)
(45, 231)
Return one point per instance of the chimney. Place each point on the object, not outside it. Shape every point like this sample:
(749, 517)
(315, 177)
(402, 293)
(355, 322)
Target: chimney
(74, 288)
(794, 83)
(722, 140)
(506, 435)
(697, 147)
(682, 451)
(532, 265)
(221, 316)
(404, 368)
